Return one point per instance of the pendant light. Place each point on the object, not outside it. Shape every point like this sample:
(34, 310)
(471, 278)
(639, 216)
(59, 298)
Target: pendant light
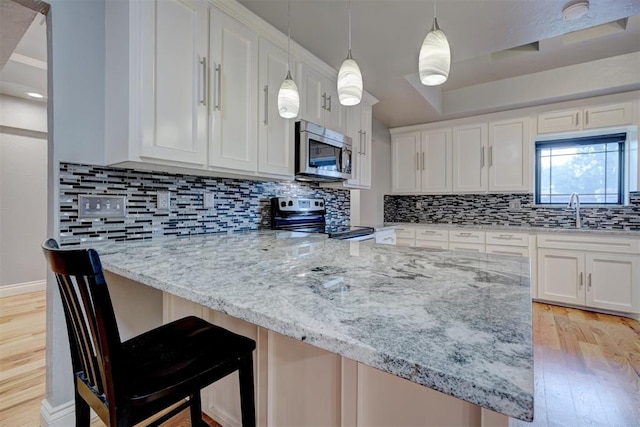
(435, 56)
(288, 96)
(349, 77)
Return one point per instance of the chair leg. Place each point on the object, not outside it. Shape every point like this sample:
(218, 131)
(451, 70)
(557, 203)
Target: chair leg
(196, 410)
(247, 400)
(83, 411)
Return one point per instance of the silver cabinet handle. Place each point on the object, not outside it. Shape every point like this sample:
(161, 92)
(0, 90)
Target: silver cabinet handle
(589, 280)
(490, 155)
(364, 142)
(266, 105)
(360, 142)
(417, 161)
(581, 279)
(464, 234)
(329, 99)
(324, 101)
(577, 118)
(481, 157)
(218, 73)
(586, 117)
(203, 71)
(506, 236)
(423, 160)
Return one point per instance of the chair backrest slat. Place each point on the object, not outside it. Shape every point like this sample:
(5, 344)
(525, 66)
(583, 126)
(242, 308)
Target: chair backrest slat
(84, 340)
(91, 324)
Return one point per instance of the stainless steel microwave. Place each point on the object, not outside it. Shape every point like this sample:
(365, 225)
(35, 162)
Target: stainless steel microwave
(321, 154)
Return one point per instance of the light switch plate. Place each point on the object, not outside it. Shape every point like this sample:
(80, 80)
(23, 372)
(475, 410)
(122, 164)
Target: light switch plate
(104, 206)
(163, 200)
(514, 204)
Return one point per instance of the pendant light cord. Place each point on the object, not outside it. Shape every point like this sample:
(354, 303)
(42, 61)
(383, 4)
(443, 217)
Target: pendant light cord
(289, 36)
(434, 9)
(349, 26)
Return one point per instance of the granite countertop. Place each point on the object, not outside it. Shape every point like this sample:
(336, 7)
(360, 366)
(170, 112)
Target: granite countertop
(456, 322)
(521, 229)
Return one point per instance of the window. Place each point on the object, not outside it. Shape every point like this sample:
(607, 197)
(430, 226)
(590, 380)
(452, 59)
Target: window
(593, 167)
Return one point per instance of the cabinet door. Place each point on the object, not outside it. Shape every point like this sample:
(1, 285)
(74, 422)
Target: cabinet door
(313, 99)
(561, 276)
(275, 144)
(607, 115)
(335, 116)
(613, 281)
(234, 69)
(405, 163)
(559, 121)
(173, 114)
(469, 158)
(366, 146)
(509, 155)
(436, 161)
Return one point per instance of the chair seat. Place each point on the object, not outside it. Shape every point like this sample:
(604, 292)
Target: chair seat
(172, 358)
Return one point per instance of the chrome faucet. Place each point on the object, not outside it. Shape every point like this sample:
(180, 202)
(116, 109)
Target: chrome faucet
(574, 201)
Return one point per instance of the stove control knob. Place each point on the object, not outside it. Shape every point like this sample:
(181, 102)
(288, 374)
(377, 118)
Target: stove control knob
(283, 204)
(316, 203)
(321, 204)
(290, 203)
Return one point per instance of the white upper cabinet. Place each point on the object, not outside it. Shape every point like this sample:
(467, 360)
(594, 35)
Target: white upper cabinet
(509, 155)
(275, 135)
(405, 163)
(470, 158)
(436, 161)
(173, 100)
(234, 101)
(422, 161)
(319, 100)
(359, 129)
(585, 118)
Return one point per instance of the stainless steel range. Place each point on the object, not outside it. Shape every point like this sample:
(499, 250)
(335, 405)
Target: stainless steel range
(309, 216)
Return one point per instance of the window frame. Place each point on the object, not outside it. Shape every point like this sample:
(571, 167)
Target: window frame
(619, 137)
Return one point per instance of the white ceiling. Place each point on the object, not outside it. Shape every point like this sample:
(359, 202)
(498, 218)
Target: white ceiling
(387, 35)
(26, 67)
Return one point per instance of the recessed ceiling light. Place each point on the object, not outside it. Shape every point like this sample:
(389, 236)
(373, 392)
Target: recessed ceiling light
(35, 95)
(574, 11)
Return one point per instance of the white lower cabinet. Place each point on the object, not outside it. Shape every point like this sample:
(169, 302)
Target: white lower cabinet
(576, 275)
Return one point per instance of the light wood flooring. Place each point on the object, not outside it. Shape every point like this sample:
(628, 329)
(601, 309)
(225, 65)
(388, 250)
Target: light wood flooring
(587, 366)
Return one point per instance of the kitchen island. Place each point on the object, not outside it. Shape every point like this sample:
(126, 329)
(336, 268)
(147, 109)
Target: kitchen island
(454, 322)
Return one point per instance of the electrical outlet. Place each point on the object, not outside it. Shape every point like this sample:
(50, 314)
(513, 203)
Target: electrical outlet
(208, 200)
(163, 200)
(418, 205)
(514, 204)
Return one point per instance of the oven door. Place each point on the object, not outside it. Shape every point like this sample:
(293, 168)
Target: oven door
(321, 159)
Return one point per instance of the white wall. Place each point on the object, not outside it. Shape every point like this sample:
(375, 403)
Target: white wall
(23, 194)
(372, 201)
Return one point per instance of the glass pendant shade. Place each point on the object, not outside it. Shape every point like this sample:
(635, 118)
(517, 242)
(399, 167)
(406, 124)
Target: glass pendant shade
(435, 57)
(349, 82)
(288, 98)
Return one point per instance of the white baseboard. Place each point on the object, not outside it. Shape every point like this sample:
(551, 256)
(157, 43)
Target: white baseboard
(22, 288)
(59, 416)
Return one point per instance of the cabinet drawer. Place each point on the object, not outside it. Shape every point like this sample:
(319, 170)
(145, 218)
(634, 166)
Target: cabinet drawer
(466, 236)
(590, 243)
(432, 234)
(406, 233)
(431, 244)
(508, 250)
(467, 247)
(405, 242)
(507, 238)
(387, 237)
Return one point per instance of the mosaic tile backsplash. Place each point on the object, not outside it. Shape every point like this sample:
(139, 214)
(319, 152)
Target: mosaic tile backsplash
(493, 209)
(240, 205)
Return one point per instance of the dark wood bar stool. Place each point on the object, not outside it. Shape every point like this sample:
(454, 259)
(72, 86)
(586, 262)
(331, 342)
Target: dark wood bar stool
(128, 382)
